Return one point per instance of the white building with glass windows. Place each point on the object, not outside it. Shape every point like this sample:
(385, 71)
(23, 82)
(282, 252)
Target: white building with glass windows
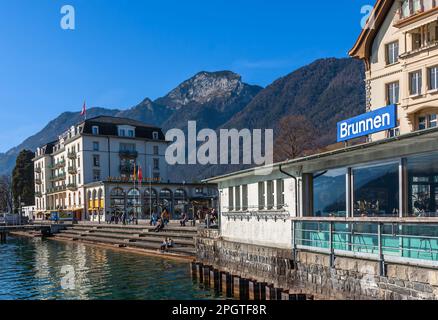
(88, 173)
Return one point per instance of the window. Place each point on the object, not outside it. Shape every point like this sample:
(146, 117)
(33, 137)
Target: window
(122, 132)
(417, 40)
(329, 193)
(280, 194)
(433, 78)
(237, 197)
(427, 121)
(392, 52)
(127, 147)
(393, 90)
(406, 10)
(156, 164)
(230, 199)
(415, 83)
(261, 195)
(156, 151)
(245, 197)
(270, 194)
(131, 133)
(199, 190)
(423, 185)
(96, 175)
(95, 130)
(96, 160)
(96, 146)
(376, 190)
(155, 135)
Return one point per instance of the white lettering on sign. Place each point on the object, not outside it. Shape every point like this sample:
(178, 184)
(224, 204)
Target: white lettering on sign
(364, 125)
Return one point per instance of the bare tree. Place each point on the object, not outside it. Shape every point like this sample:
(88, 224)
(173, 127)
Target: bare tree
(297, 136)
(6, 200)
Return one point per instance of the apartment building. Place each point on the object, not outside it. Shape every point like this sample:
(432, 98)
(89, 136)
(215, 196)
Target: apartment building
(399, 46)
(89, 171)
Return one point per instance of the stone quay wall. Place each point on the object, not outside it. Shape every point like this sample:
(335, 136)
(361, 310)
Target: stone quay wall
(311, 273)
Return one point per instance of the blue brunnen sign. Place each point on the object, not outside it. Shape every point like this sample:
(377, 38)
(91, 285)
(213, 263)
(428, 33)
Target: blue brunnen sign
(371, 122)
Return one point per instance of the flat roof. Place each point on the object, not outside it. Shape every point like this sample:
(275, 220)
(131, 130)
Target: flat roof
(407, 144)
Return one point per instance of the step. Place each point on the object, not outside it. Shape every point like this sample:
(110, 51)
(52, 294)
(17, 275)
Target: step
(136, 227)
(139, 238)
(163, 233)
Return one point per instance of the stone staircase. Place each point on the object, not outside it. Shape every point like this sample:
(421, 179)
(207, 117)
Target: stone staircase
(133, 236)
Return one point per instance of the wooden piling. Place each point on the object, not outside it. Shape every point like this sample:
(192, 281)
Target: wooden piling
(206, 275)
(214, 279)
(240, 288)
(226, 284)
(199, 273)
(253, 290)
(273, 293)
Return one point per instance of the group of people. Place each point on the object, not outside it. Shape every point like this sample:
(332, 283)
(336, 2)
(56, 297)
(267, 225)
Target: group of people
(124, 218)
(166, 244)
(160, 221)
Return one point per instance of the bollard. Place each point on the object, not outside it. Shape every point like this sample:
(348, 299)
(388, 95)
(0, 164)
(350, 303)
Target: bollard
(240, 288)
(226, 284)
(214, 279)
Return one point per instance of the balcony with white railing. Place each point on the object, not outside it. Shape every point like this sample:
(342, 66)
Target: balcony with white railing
(409, 10)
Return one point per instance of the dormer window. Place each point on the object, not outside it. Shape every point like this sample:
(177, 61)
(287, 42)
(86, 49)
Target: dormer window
(95, 130)
(131, 133)
(122, 132)
(155, 135)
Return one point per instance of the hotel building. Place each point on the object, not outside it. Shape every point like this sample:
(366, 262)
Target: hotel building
(88, 172)
(399, 46)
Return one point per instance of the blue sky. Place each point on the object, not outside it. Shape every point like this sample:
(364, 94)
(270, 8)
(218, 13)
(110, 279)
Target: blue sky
(123, 51)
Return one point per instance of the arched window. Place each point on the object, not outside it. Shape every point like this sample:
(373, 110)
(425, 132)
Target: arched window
(166, 194)
(117, 192)
(180, 194)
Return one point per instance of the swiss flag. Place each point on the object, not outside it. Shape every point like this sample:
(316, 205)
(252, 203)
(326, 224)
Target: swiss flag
(84, 110)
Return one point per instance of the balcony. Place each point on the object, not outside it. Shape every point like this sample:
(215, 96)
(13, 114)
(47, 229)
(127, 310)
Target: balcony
(72, 170)
(38, 181)
(58, 177)
(57, 189)
(37, 170)
(130, 154)
(38, 194)
(72, 187)
(72, 155)
(126, 169)
(59, 165)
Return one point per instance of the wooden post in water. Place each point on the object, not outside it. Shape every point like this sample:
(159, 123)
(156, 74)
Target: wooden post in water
(253, 290)
(240, 288)
(286, 296)
(226, 284)
(3, 237)
(199, 274)
(214, 279)
(206, 275)
(273, 293)
(194, 270)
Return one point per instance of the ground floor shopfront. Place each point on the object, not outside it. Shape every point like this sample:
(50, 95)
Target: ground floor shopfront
(140, 202)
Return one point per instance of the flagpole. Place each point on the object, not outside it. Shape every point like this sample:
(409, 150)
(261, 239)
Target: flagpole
(150, 191)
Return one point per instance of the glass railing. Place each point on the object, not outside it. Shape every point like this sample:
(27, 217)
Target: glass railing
(392, 239)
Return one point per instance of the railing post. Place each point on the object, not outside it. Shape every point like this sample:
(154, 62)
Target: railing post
(332, 251)
(294, 241)
(382, 268)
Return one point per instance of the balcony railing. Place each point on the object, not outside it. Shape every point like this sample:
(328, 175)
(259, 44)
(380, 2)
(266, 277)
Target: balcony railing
(38, 194)
(72, 170)
(38, 181)
(401, 16)
(127, 169)
(72, 187)
(58, 177)
(384, 240)
(72, 155)
(128, 154)
(59, 165)
(57, 189)
(37, 170)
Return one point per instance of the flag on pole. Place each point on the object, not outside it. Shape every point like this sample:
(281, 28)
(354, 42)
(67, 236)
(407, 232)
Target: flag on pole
(84, 110)
(135, 173)
(140, 175)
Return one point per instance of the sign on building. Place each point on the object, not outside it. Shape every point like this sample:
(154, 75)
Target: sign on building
(371, 122)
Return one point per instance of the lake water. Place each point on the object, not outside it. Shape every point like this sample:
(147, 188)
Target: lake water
(35, 269)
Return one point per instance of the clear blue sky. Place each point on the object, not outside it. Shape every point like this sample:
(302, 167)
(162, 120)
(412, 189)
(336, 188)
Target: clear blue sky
(123, 51)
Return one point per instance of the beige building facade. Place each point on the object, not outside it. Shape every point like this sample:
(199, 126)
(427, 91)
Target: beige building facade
(399, 46)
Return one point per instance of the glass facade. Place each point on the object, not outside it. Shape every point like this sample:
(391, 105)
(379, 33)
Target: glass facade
(423, 185)
(376, 190)
(329, 193)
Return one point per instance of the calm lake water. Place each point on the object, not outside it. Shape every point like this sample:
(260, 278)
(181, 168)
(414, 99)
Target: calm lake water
(35, 269)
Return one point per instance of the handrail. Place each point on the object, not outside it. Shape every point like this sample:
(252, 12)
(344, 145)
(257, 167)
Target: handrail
(402, 220)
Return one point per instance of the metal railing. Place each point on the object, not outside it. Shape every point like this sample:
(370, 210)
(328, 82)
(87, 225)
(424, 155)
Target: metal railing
(392, 240)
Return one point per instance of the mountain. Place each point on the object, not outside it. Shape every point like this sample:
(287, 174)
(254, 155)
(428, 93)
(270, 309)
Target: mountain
(325, 91)
(210, 98)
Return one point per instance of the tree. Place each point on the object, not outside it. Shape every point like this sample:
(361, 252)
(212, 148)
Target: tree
(296, 137)
(23, 188)
(5, 194)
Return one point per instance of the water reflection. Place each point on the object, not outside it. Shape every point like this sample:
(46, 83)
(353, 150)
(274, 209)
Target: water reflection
(33, 269)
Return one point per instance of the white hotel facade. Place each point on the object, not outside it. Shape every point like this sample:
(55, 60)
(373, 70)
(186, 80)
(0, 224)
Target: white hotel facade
(88, 172)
